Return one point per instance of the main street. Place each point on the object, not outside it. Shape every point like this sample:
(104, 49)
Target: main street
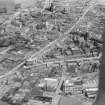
(33, 56)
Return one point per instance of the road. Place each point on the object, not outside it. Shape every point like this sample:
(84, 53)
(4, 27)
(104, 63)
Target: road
(57, 97)
(18, 66)
(7, 49)
(70, 101)
(13, 70)
(62, 60)
(33, 56)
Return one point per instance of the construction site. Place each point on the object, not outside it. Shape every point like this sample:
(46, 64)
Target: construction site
(50, 51)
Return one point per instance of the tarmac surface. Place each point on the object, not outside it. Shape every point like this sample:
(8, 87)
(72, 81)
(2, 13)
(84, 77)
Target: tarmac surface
(70, 101)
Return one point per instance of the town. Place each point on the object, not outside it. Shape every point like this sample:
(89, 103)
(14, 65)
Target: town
(50, 52)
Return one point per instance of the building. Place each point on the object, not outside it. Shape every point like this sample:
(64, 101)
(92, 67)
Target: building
(50, 84)
(73, 86)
